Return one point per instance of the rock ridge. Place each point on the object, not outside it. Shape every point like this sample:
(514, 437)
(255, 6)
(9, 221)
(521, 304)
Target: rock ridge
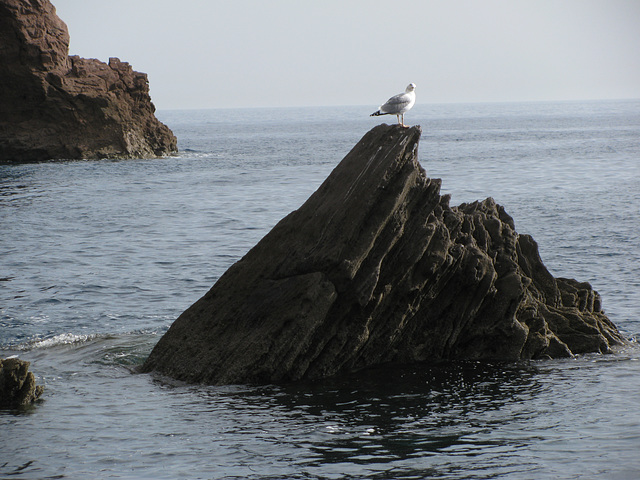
(56, 106)
(376, 267)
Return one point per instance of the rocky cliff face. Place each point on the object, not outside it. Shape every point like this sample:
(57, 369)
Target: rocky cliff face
(53, 106)
(376, 267)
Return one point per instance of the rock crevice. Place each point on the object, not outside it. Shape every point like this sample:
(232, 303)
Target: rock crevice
(376, 267)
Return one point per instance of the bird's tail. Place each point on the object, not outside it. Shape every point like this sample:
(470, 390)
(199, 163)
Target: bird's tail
(376, 113)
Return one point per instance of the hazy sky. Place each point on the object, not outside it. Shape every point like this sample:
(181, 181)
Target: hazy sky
(243, 53)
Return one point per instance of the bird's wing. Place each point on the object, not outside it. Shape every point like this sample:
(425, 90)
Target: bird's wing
(396, 103)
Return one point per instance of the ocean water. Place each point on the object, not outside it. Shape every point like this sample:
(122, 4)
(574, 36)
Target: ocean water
(97, 258)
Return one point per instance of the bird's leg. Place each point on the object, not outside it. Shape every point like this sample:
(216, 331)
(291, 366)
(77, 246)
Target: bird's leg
(403, 120)
(398, 117)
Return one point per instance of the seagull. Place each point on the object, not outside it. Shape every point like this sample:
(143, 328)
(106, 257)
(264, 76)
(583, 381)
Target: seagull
(398, 104)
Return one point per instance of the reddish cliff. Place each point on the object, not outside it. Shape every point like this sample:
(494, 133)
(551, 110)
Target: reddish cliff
(53, 106)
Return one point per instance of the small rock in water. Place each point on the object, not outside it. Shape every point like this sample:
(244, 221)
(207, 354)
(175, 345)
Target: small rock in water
(17, 384)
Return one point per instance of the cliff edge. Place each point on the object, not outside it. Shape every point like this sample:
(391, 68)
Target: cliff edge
(376, 267)
(53, 106)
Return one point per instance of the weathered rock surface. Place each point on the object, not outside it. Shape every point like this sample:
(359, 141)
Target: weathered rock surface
(376, 267)
(53, 106)
(17, 384)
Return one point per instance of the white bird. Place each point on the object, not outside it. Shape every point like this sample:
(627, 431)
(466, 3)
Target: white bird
(398, 104)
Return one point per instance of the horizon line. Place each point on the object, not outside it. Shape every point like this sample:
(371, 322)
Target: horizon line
(473, 102)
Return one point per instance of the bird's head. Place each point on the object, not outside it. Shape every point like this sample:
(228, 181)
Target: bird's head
(410, 88)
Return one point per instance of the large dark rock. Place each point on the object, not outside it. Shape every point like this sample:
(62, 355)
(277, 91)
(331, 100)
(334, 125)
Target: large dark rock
(17, 384)
(53, 106)
(376, 267)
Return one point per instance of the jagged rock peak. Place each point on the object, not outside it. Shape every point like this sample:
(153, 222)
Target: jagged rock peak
(376, 267)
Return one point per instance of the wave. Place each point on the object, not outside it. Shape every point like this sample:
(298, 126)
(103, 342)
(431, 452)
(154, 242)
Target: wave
(127, 349)
(56, 340)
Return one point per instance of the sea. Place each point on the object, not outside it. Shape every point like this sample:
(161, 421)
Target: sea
(98, 258)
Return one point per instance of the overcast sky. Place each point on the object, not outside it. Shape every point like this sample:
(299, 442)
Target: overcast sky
(245, 53)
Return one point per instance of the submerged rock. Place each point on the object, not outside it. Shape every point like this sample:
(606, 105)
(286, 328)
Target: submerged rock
(53, 106)
(376, 267)
(17, 384)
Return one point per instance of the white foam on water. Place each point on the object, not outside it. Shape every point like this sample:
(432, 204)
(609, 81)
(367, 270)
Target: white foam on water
(56, 340)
